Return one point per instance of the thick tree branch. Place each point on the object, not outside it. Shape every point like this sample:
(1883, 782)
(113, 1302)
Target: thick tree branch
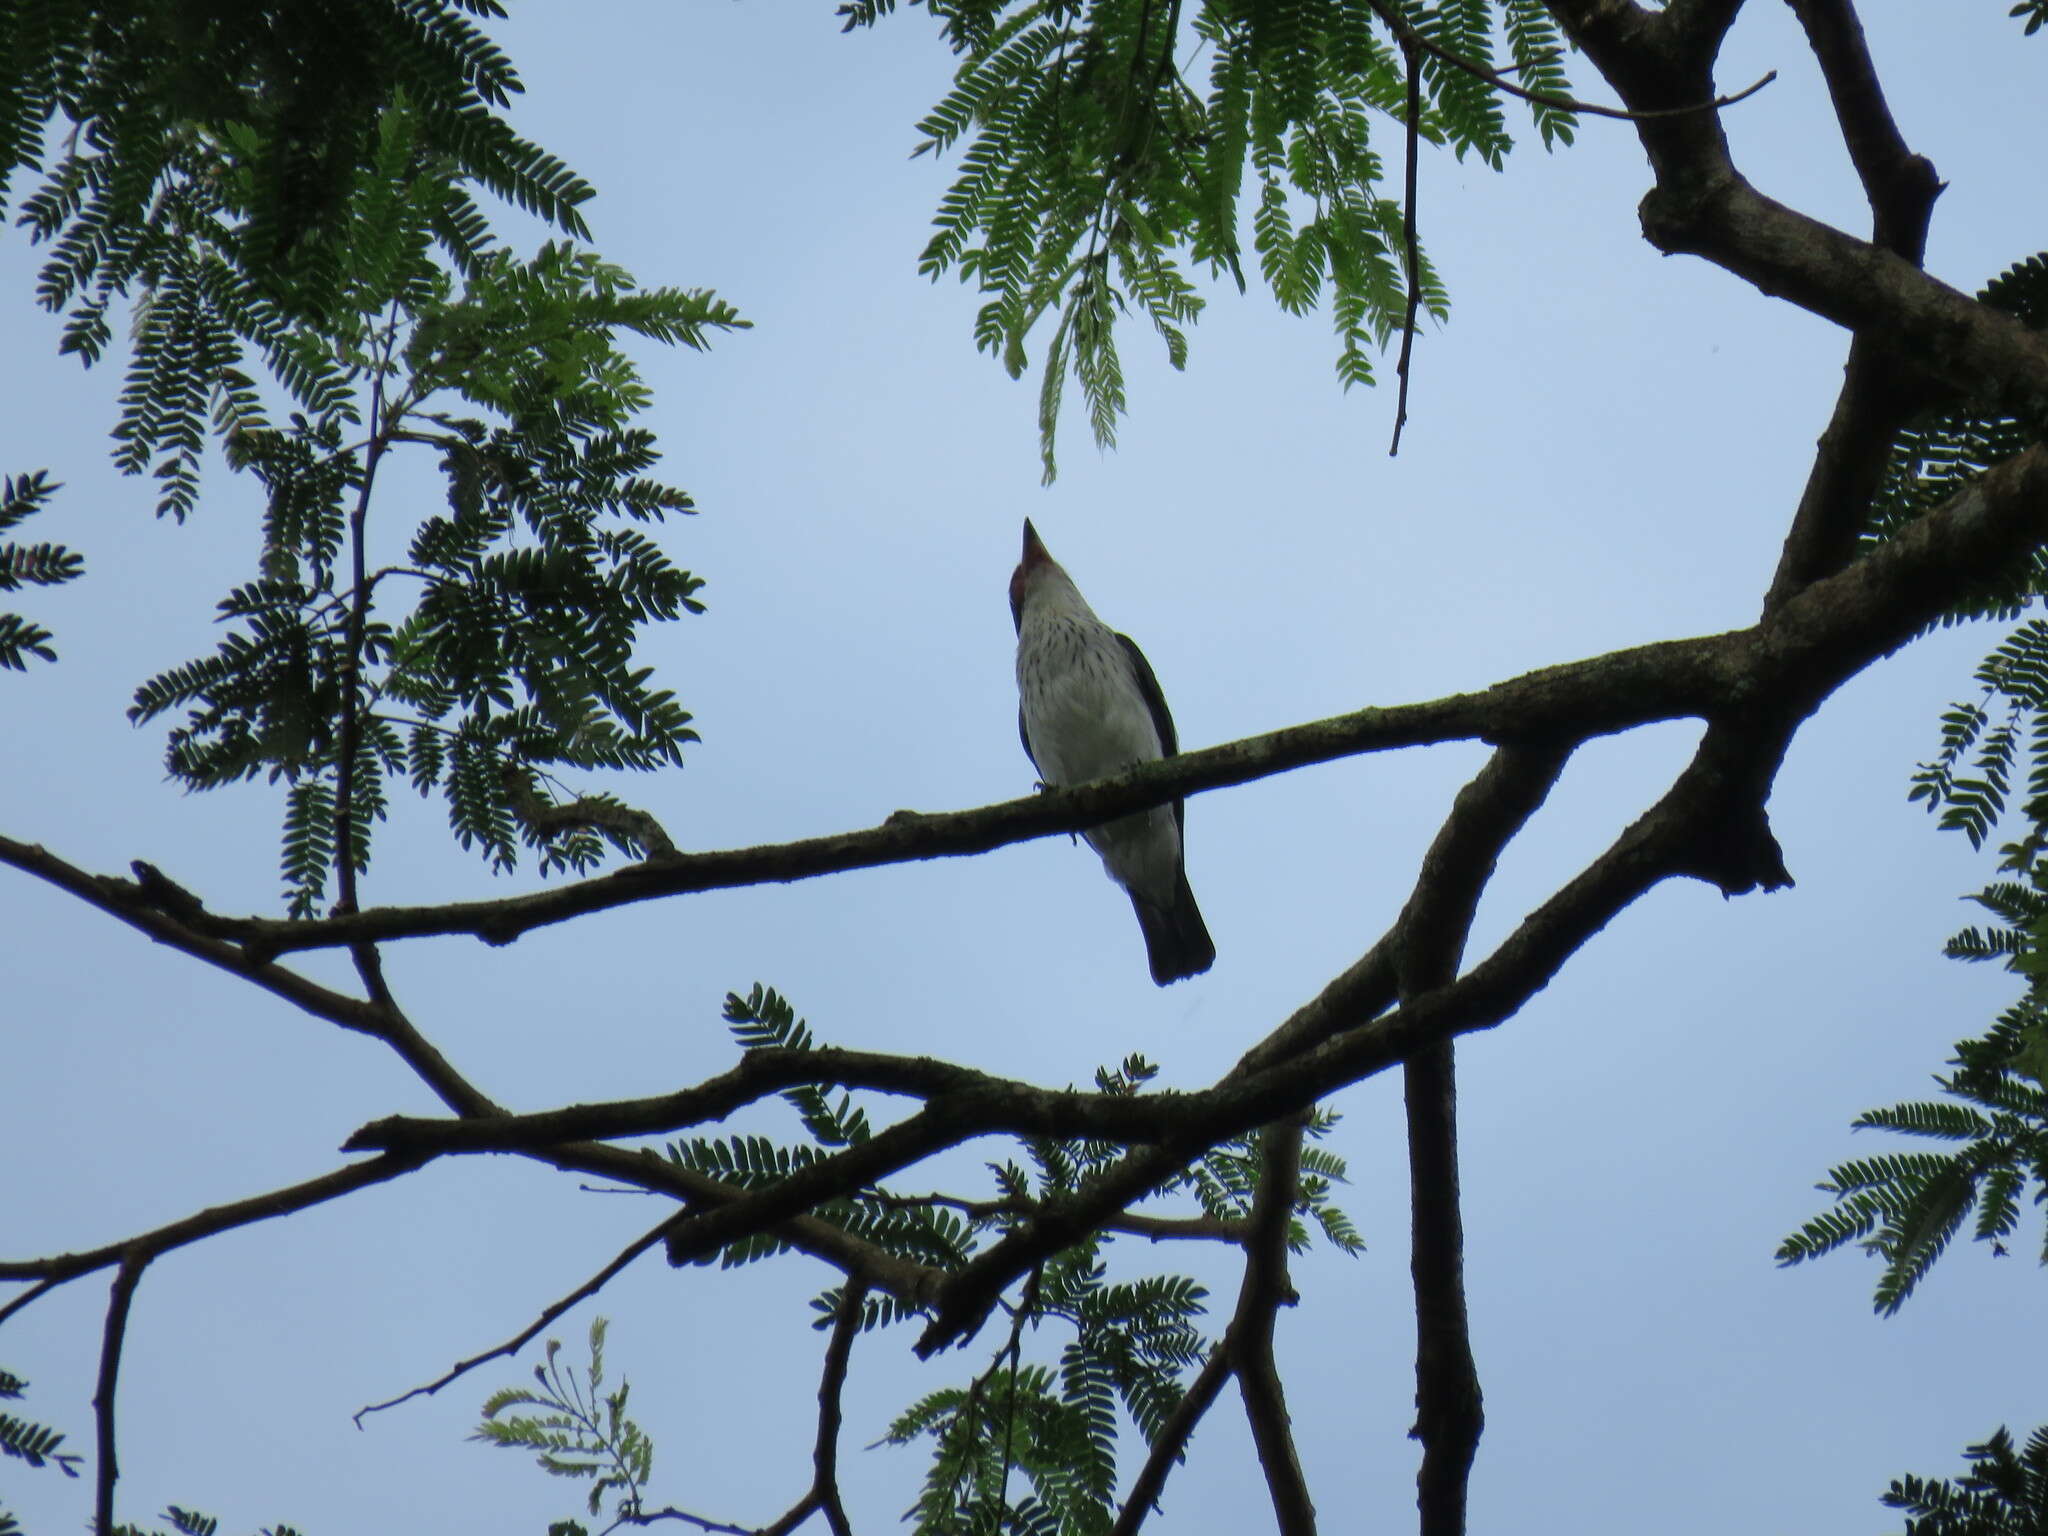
(1449, 1411)
(1701, 205)
(1878, 395)
(1662, 681)
(172, 916)
(1848, 468)
(120, 1297)
(1431, 936)
(1250, 1339)
(1900, 185)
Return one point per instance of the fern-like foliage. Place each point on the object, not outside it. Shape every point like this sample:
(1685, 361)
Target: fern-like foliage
(498, 650)
(217, 155)
(2004, 1493)
(33, 1444)
(25, 1441)
(1096, 175)
(29, 565)
(575, 1429)
(1904, 1208)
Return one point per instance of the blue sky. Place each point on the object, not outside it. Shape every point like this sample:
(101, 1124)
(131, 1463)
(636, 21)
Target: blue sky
(1604, 448)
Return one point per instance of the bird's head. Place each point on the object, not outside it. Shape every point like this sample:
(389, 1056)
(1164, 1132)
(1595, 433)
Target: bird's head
(1035, 560)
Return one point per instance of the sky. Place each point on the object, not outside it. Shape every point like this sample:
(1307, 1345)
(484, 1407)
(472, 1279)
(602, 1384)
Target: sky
(1604, 447)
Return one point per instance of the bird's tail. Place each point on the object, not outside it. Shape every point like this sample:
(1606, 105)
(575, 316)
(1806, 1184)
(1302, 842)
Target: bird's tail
(1177, 941)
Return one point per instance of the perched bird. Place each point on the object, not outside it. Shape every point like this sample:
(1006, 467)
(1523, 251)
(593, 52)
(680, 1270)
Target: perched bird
(1089, 706)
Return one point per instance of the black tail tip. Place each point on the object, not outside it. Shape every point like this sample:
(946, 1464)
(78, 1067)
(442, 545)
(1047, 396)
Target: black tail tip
(1177, 942)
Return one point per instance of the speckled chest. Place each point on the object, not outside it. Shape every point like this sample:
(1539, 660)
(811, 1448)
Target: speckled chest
(1083, 710)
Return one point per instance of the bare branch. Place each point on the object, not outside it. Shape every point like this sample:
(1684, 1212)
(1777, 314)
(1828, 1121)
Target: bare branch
(1900, 185)
(525, 1336)
(59, 1268)
(1250, 1339)
(1171, 1447)
(120, 1297)
(1703, 206)
(151, 905)
(825, 1455)
(1411, 252)
(1662, 681)
(1431, 937)
(1449, 1411)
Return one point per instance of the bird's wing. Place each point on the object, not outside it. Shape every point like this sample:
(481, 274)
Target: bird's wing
(1155, 705)
(1155, 701)
(1025, 737)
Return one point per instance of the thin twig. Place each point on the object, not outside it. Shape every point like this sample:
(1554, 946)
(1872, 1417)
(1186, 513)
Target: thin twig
(1411, 256)
(1409, 37)
(526, 1336)
(15, 1304)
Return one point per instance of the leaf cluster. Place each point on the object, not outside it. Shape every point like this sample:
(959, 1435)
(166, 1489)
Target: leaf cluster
(29, 565)
(576, 1430)
(499, 646)
(1100, 171)
(215, 156)
(2005, 1492)
(26, 1441)
(1904, 1208)
(1055, 1425)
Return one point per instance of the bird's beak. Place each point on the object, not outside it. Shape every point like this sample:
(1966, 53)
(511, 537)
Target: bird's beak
(1034, 547)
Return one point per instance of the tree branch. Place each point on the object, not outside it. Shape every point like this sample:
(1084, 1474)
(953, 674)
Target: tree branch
(59, 1268)
(824, 1494)
(120, 1297)
(1411, 251)
(1250, 1339)
(1431, 937)
(525, 1336)
(1900, 185)
(1662, 681)
(1701, 205)
(1170, 1449)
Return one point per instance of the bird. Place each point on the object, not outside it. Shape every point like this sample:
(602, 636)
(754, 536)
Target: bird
(1089, 706)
